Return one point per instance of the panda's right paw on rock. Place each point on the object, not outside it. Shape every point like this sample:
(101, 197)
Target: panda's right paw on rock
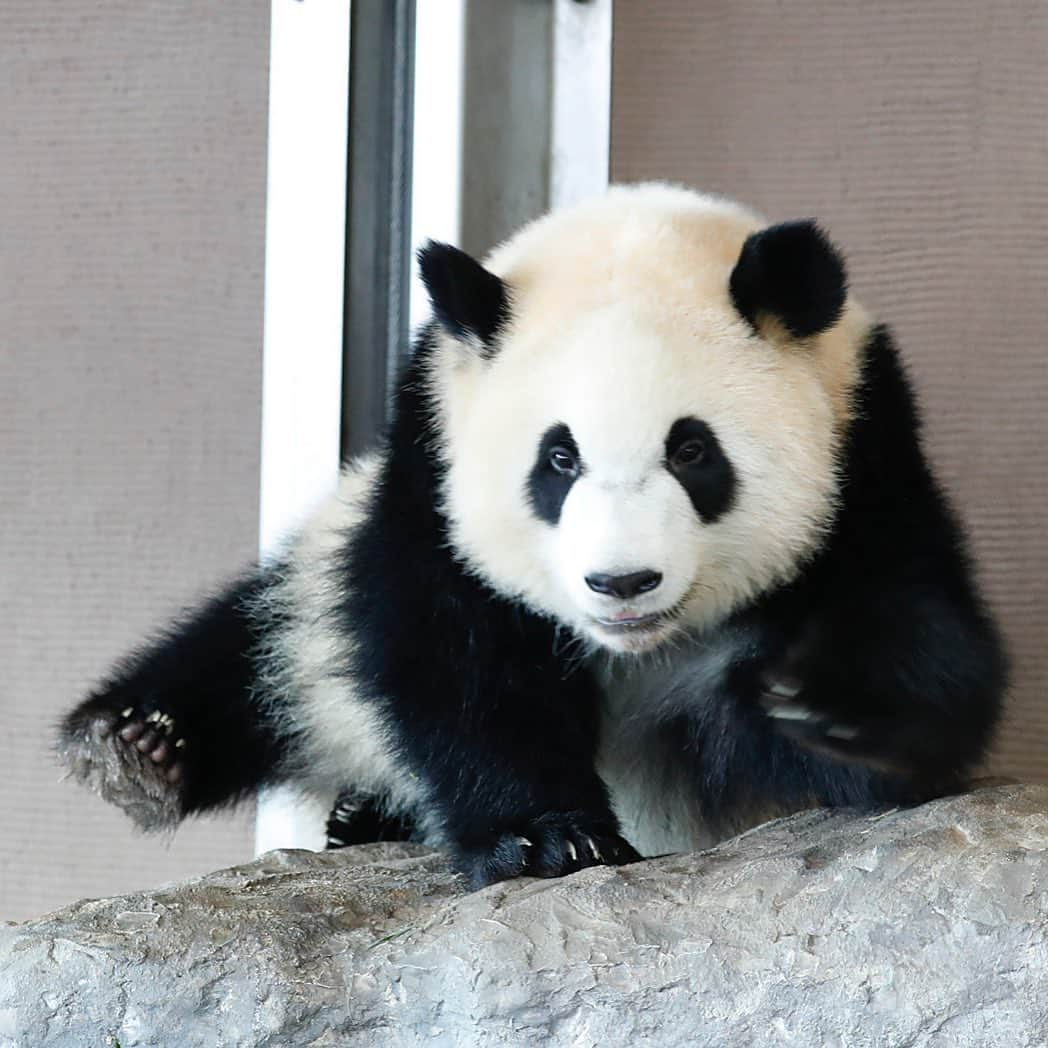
(552, 845)
(133, 757)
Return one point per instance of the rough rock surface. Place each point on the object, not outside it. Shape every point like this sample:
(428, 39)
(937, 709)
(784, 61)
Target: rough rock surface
(921, 927)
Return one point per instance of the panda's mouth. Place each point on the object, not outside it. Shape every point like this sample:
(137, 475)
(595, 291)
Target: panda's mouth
(630, 633)
(629, 623)
(629, 630)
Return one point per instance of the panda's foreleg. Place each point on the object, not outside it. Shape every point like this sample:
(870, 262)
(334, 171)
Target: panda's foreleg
(519, 800)
(506, 747)
(907, 683)
(179, 727)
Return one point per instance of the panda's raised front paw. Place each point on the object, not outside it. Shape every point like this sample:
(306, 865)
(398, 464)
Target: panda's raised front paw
(132, 757)
(798, 715)
(552, 845)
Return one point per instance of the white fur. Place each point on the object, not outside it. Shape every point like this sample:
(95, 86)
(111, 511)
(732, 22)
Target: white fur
(622, 323)
(653, 797)
(653, 793)
(342, 741)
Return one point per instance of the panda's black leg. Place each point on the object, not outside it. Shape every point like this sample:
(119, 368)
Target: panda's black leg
(356, 819)
(514, 777)
(178, 728)
(912, 694)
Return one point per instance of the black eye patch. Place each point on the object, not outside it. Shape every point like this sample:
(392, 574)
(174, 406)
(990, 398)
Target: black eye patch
(694, 456)
(549, 481)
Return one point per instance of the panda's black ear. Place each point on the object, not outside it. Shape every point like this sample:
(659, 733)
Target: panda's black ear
(468, 301)
(793, 273)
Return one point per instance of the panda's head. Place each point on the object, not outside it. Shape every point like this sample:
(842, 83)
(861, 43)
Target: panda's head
(640, 403)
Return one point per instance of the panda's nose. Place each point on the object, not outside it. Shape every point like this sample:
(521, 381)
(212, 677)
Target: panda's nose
(624, 586)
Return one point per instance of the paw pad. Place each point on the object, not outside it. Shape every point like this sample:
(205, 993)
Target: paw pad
(152, 737)
(131, 758)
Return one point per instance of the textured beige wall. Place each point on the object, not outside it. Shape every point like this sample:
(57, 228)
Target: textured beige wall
(132, 193)
(919, 133)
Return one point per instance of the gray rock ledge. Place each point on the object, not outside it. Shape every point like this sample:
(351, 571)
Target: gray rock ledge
(920, 927)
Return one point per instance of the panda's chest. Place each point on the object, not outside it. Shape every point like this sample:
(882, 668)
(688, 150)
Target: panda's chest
(641, 759)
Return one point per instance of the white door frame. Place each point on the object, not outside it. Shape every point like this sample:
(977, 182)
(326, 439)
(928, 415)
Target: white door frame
(304, 291)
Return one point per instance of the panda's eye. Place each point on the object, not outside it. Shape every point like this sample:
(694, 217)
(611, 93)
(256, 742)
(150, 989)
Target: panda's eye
(690, 453)
(563, 461)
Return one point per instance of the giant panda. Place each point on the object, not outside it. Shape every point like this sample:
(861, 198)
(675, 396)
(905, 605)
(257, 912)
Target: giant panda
(650, 553)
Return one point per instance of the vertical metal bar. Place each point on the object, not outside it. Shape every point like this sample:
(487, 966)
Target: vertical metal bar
(536, 114)
(378, 225)
(506, 118)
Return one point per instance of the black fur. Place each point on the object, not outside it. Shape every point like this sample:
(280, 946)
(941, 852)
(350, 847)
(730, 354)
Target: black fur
(710, 480)
(790, 271)
(883, 639)
(357, 819)
(467, 300)
(498, 726)
(547, 488)
(201, 672)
